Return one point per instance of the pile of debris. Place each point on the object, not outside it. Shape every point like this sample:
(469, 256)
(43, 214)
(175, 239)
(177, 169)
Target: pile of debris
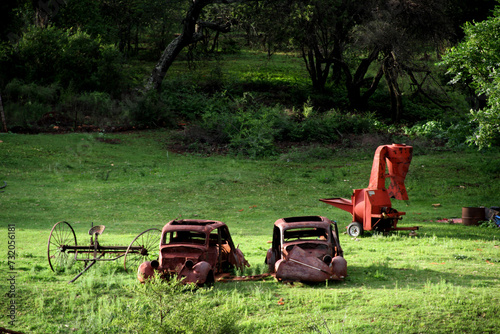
(492, 214)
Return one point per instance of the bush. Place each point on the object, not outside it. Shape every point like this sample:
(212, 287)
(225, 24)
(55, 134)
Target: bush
(25, 104)
(71, 58)
(453, 133)
(37, 54)
(91, 108)
(24, 115)
(18, 91)
(249, 128)
(149, 110)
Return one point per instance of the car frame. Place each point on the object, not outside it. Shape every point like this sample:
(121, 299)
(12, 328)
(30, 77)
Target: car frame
(306, 249)
(194, 251)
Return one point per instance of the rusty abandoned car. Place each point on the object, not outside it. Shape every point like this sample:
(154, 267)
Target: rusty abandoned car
(306, 249)
(195, 251)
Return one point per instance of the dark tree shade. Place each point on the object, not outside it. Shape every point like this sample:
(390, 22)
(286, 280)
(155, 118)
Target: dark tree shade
(462, 11)
(8, 21)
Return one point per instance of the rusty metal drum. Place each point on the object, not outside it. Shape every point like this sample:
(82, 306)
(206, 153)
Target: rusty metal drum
(472, 215)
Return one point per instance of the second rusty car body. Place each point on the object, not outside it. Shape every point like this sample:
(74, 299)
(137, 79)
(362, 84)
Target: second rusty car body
(306, 249)
(194, 251)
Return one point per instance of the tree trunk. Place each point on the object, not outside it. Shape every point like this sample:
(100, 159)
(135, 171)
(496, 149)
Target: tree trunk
(317, 67)
(175, 47)
(2, 115)
(188, 36)
(354, 83)
(391, 70)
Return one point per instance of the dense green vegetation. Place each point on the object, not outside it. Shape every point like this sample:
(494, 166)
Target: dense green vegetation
(444, 280)
(251, 79)
(263, 108)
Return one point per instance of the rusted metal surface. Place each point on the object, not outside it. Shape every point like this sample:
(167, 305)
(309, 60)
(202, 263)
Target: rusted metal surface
(473, 215)
(306, 249)
(371, 207)
(195, 251)
(62, 248)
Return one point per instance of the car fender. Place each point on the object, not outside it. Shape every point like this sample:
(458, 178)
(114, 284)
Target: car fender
(339, 267)
(198, 273)
(146, 270)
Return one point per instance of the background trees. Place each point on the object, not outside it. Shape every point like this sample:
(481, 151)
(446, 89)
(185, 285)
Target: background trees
(360, 56)
(475, 62)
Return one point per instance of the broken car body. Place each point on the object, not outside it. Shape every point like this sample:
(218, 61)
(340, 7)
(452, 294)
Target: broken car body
(194, 251)
(306, 249)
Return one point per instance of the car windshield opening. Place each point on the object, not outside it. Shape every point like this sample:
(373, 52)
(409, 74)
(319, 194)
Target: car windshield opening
(305, 233)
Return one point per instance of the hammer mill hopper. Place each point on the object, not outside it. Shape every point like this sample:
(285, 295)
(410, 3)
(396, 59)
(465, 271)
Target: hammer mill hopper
(371, 207)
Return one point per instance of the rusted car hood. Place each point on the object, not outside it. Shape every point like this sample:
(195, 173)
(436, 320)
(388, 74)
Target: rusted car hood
(304, 266)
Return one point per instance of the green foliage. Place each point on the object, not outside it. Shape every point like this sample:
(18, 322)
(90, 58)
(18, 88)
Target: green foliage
(230, 46)
(32, 101)
(249, 128)
(91, 109)
(148, 110)
(488, 224)
(66, 57)
(17, 90)
(178, 308)
(25, 115)
(475, 61)
(453, 134)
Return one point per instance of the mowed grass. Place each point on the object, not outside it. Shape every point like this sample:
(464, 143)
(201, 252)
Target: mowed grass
(443, 280)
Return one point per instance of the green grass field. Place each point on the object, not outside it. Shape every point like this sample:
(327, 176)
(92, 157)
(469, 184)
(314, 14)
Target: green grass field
(445, 280)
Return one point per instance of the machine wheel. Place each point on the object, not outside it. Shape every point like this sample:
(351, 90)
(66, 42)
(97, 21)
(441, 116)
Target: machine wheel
(149, 242)
(355, 229)
(61, 235)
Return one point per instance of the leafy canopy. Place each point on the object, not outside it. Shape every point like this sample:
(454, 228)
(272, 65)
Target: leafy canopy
(476, 62)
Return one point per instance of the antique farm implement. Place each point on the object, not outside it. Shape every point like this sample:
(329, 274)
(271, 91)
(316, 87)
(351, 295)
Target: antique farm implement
(63, 248)
(371, 207)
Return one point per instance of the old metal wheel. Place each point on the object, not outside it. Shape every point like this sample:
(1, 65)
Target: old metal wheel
(355, 229)
(148, 242)
(61, 236)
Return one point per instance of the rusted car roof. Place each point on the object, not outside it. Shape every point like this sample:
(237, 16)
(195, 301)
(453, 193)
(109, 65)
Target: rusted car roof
(194, 250)
(306, 249)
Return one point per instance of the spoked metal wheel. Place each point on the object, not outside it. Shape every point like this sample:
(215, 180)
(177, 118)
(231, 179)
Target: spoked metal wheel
(144, 247)
(355, 229)
(61, 236)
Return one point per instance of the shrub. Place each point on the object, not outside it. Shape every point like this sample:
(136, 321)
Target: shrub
(25, 115)
(453, 133)
(149, 110)
(91, 108)
(25, 104)
(20, 92)
(39, 50)
(71, 58)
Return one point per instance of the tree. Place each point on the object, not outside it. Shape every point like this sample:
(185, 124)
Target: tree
(400, 31)
(2, 115)
(476, 62)
(192, 31)
(358, 43)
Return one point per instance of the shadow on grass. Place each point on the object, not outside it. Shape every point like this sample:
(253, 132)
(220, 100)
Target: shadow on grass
(383, 276)
(445, 230)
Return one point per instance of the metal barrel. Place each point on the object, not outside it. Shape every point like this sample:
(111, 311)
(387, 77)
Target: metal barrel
(472, 216)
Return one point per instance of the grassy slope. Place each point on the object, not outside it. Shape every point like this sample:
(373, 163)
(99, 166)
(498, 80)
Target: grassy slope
(445, 280)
